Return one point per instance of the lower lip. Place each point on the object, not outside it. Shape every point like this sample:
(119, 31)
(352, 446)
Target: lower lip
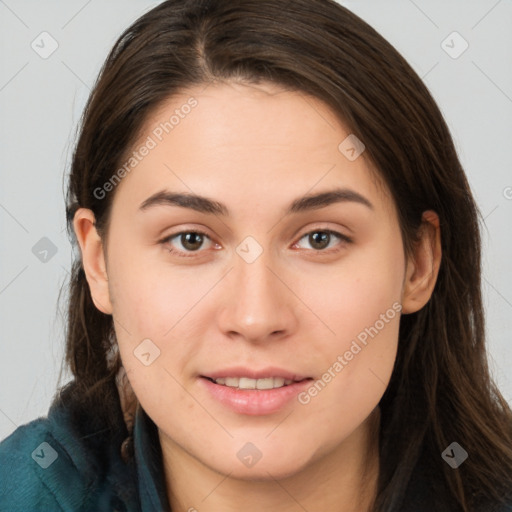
(255, 402)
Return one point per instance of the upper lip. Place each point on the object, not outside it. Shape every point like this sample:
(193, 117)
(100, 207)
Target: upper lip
(251, 373)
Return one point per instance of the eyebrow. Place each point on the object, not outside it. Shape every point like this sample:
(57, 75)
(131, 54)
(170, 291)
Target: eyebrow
(209, 206)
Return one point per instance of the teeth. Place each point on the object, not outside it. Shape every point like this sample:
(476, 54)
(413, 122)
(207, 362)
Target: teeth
(246, 383)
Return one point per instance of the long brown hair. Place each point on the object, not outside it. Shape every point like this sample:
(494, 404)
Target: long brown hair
(441, 390)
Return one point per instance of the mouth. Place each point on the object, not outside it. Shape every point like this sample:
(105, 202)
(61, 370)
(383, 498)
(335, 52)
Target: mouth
(254, 393)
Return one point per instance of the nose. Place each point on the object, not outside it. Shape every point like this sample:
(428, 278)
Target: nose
(259, 305)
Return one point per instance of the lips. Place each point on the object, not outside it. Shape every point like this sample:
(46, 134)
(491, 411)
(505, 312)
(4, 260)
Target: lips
(254, 392)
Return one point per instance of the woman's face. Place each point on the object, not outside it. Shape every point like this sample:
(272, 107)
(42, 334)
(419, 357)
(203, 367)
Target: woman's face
(277, 287)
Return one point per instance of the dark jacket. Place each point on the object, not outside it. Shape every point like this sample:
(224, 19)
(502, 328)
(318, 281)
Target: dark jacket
(60, 464)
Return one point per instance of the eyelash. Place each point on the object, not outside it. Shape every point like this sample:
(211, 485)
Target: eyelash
(191, 254)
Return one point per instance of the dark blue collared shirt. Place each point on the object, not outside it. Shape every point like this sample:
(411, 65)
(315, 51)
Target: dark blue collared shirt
(55, 464)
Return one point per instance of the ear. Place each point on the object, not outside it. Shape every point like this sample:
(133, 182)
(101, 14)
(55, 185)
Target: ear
(93, 258)
(422, 266)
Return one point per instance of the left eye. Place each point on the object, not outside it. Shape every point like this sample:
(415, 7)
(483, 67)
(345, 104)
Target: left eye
(320, 239)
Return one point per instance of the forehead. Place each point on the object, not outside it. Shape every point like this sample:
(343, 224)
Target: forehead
(233, 140)
(228, 117)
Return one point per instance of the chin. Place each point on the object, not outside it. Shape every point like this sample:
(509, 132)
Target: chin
(273, 466)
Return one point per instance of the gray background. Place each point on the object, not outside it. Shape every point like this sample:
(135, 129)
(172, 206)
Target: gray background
(41, 100)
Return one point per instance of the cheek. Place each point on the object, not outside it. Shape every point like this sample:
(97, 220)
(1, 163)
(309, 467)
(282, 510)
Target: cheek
(150, 309)
(166, 305)
(360, 304)
(355, 366)
(353, 293)
(151, 297)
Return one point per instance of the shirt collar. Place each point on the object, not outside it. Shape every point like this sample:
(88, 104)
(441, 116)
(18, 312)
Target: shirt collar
(148, 457)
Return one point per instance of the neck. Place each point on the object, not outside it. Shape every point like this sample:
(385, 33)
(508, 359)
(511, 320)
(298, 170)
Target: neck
(345, 479)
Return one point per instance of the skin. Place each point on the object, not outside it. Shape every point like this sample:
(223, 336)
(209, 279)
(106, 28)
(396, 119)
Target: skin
(256, 149)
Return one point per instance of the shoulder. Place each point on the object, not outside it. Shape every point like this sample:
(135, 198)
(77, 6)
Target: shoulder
(57, 464)
(29, 473)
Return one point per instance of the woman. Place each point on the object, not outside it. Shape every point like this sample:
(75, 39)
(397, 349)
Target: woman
(278, 301)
